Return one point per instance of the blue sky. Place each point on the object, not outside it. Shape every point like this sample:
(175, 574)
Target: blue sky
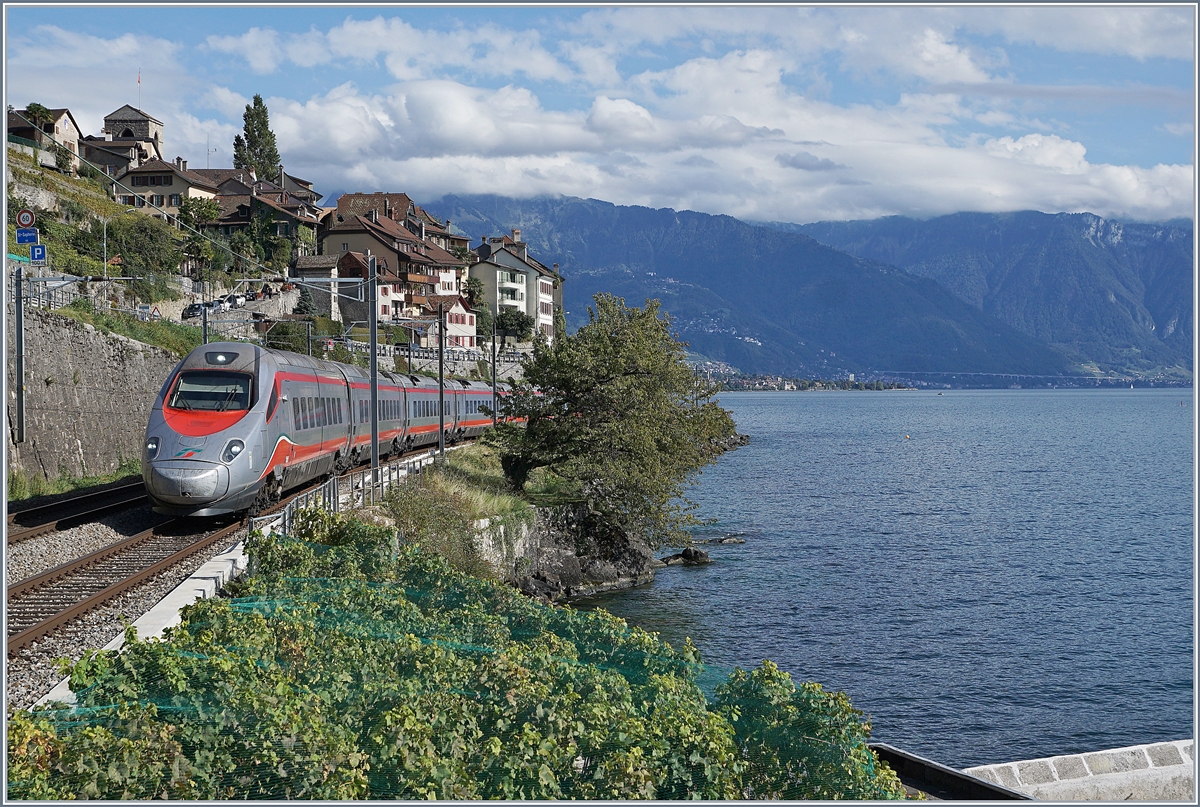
(795, 113)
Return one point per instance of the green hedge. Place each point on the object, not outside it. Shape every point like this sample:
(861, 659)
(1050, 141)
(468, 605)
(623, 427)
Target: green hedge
(350, 667)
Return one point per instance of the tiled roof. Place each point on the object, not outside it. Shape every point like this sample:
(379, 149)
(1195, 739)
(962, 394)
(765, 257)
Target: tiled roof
(358, 204)
(448, 300)
(134, 109)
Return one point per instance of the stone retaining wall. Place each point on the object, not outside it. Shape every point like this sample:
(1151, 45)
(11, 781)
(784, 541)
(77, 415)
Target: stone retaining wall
(1156, 772)
(87, 396)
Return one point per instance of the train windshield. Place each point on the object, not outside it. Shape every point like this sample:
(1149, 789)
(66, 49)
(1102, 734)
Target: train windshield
(211, 391)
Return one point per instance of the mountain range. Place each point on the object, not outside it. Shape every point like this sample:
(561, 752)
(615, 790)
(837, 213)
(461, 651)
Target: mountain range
(1112, 295)
(775, 299)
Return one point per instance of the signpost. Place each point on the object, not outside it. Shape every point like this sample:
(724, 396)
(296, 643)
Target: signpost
(37, 254)
(25, 218)
(27, 235)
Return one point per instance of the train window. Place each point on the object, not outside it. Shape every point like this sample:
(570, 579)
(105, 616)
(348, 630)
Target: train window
(303, 413)
(272, 403)
(211, 391)
(296, 412)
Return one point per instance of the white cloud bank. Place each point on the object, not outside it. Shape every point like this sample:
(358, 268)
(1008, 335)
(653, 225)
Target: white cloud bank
(725, 130)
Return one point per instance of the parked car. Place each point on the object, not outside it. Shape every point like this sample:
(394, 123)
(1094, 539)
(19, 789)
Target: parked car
(218, 305)
(193, 310)
(251, 296)
(233, 302)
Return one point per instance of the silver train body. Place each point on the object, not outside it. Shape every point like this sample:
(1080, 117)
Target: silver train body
(235, 425)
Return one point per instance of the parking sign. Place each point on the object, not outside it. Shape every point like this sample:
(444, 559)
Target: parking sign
(37, 254)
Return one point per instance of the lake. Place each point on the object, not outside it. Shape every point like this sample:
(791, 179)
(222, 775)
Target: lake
(991, 575)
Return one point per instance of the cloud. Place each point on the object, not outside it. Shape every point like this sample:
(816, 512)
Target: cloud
(806, 162)
(1045, 151)
(258, 46)
(1183, 129)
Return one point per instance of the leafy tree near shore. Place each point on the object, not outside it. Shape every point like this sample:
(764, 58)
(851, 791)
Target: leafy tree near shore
(616, 411)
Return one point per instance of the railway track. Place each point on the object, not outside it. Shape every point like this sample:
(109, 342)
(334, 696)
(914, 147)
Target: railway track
(73, 511)
(42, 604)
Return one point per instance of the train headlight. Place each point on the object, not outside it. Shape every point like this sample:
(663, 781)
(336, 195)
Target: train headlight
(232, 449)
(152, 447)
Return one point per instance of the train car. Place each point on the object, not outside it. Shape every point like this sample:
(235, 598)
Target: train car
(235, 425)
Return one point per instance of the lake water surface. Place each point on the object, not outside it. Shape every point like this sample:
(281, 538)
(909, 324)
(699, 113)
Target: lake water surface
(990, 575)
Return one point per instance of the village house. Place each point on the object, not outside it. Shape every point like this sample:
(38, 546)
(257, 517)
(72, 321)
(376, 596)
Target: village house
(513, 279)
(61, 129)
(162, 186)
(417, 269)
(130, 137)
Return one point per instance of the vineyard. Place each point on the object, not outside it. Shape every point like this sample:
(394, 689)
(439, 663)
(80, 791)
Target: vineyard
(347, 665)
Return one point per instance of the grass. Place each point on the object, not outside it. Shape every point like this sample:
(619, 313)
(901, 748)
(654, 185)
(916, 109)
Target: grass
(23, 486)
(178, 339)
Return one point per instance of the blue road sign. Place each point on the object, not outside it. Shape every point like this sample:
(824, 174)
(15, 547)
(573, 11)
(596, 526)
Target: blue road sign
(37, 254)
(27, 235)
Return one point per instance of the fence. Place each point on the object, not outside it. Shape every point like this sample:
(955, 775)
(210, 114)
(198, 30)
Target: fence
(358, 489)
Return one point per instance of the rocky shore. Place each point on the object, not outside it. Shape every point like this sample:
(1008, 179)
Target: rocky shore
(558, 570)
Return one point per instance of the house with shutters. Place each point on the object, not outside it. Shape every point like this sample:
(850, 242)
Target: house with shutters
(512, 278)
(417, 268)
(161, 187)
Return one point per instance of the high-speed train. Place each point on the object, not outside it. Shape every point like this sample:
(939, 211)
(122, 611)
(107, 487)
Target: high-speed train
(235, 425)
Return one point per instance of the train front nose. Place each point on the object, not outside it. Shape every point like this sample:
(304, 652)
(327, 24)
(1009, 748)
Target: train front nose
(187, 483)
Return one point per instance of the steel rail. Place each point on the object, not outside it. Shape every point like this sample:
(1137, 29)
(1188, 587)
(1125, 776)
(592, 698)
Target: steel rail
(47, 626)
(24, 638)
(62, 514)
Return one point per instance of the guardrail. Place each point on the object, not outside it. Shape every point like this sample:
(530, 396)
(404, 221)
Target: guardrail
(362, 488)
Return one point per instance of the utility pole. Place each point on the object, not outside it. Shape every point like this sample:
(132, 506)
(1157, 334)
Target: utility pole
(441, 384)
(372, 293)
(494, 372)
(20, 351)
(204, 321)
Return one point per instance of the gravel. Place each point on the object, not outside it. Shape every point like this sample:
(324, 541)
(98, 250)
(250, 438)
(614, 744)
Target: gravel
(45, 552)
(34, 672)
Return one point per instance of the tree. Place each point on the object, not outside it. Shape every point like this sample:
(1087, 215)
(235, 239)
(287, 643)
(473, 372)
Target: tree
(476, 298)
(616, 411)
(39, 116)
(513, 322)
(255, 147)
(305, 305)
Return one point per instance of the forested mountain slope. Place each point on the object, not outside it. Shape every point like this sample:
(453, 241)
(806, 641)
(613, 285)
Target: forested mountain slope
(758, 298)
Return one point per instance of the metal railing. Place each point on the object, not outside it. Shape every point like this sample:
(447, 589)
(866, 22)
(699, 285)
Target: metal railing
(363, 488)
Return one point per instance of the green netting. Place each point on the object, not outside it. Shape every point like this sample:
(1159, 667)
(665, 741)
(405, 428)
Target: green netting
(347, 667)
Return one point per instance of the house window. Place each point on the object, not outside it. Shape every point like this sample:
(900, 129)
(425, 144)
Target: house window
(384, 309)
(139, 181)
(139, 201)
(156, 200)
(176, 200)
(126, 200)
(470, 319)
(345, 247)
(169, 179)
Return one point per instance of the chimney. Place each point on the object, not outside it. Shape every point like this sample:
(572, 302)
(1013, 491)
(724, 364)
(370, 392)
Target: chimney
(281, 175)
(373, 215)
(253, 174)
(178, 162)
(516, 235)
(185, 165)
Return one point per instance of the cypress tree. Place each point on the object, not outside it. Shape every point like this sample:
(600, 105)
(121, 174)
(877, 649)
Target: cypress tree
(255, 147)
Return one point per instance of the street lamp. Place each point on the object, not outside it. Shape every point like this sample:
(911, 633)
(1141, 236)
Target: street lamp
(122, 213)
